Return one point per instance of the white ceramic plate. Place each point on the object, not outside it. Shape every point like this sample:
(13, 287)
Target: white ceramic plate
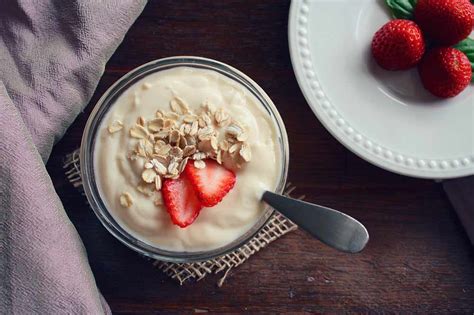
(385, 117)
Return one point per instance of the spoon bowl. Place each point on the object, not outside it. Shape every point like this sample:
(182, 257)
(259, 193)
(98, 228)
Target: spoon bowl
(332, 227)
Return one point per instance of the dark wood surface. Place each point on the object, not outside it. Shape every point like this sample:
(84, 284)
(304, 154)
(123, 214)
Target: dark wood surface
(419, 259)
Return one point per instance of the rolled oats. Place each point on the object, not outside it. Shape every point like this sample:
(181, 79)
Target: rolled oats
(115, 126)
(148, 146)
(163, 149)
(208, 145)
(174, 137)
(190, 140)
(221, 117)
(224, 145)
(199, 156)
(156, 124)
(151, 138)
(205, 133)
(168, 123)
(176, 152)
(173, 168)
(189, 150)
(172, 116)
(186, 129)
(194, 129)
(161, 135)
(242, 136)
(148, 175)
(201, 122)
(179, 106)
(234, 148)
(234, 130)
(133, 155)
(141, 121)
(126, 200)
(199, 164)
(190, 118)
(208, 107)
(140, 149)
(182, 164)
(182, 143)
(171, 139)
(159, 167)
(207, 120)
(158, 183)
(146, 85)
(139, 132)
(181, 129)
(230, 161)
(245, 152)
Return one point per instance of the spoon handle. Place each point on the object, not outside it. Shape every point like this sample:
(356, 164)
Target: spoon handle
(330, 226)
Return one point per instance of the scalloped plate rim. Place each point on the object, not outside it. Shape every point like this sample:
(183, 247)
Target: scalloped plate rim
(358, 149)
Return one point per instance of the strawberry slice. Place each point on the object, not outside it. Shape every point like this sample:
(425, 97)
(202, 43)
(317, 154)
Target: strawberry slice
(211, 183)
(181, 201)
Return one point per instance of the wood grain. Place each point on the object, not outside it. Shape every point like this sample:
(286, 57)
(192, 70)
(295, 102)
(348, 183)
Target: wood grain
(418, 260)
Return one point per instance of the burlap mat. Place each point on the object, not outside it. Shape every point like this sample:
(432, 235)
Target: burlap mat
(276, 227)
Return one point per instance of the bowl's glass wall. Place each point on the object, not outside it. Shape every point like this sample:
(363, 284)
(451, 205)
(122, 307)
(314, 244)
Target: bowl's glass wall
(88, 144)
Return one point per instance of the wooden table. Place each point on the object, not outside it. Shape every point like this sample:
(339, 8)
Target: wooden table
(418, 260)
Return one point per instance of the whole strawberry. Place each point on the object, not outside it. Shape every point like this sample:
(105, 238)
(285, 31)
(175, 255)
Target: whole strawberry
(445, 72)
(446, 22)
(398, 45)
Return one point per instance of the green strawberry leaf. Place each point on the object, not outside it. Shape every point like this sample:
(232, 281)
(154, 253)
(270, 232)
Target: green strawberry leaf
(402, 9)
(467, 47)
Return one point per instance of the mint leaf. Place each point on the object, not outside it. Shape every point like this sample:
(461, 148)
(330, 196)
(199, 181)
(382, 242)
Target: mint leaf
(402, 9)
(467, 47)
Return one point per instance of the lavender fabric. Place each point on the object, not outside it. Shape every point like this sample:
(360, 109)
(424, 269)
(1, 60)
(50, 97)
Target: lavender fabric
(461, 194)
(52, 54)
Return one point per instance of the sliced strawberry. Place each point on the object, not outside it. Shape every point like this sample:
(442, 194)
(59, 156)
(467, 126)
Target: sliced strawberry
(181, 201)
(211, 183)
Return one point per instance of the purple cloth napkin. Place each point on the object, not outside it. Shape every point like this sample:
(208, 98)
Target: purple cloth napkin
(52, 54)
(461, 194)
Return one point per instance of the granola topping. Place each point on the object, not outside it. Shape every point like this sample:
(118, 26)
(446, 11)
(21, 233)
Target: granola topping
(126, 200)
(115, 126)
(167, 141)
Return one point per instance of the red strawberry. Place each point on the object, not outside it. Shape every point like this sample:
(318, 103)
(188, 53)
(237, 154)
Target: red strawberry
(445, 71)
(398, 45)
(181, 201)
(446, 22)
(211, 183)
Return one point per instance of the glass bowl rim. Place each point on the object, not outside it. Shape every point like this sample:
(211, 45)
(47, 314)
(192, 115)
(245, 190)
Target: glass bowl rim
(88, 144)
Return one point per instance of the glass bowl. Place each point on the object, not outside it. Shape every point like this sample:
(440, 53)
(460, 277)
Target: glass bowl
(88, 144)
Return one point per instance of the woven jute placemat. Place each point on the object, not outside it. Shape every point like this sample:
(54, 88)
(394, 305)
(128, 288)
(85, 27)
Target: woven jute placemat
(276, 227)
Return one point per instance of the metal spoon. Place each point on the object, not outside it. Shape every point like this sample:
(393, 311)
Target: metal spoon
(330, 226)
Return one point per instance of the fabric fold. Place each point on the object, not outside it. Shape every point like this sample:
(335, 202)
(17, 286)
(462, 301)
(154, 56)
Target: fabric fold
(53, 54)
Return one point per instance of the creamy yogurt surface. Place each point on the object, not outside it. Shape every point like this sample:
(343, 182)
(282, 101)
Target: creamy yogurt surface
(117, 174)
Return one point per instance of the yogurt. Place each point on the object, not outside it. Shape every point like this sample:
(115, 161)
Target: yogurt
(117, 173)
